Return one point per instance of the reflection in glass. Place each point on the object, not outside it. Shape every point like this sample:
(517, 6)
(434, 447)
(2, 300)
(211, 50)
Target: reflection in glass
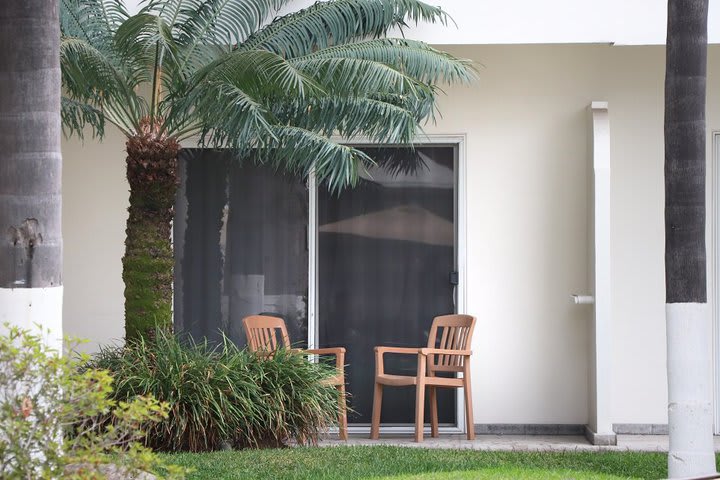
(240, 247)
(386, 249)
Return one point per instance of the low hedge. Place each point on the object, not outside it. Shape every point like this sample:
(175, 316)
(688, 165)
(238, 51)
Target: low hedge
(222, 396)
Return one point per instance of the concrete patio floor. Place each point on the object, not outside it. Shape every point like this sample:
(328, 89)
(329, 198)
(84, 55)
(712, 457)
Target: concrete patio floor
(525, 443)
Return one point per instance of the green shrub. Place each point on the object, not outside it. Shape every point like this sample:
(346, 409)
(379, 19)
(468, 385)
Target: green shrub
(222, 395)
(49, 413)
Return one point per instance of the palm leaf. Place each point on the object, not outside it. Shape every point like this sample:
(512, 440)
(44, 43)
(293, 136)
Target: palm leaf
(92, 20)
(143, 37)
(262, 71)
(205, 29)
(301, 152)
(88, 75)
(75, 116)
(416, 59)
(337, 22)
(226, 116)
(261, 76)
(356, 76)
(352, 117)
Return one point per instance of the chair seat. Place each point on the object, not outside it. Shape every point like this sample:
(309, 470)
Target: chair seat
(402, 380)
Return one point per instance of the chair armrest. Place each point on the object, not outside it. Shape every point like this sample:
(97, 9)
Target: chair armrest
(326, 351)
(405, 350)
(444, 351)
(339, 353)
(380, 351)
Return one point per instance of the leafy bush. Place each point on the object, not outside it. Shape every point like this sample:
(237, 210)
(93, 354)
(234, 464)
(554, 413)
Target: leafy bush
(49, 414)
(222, 395)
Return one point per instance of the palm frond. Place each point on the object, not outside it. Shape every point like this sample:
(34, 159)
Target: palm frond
(227, 117)
(265, 72)
(356, 76)
(301, 151)
(260, 75)
(92, 20)
(414, 58)
(76, 115)
(336, 22)
(205, 29)
(89, 76)
(352, 117)
(144, 37)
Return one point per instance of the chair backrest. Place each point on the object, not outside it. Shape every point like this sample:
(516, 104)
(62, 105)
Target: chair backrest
(265, 333)
(450, 332)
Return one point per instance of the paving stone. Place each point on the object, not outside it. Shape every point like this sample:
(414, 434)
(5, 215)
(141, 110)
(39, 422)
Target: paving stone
(523, 443)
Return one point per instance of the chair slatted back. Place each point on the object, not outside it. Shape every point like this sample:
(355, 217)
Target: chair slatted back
(450, 332)
(265, 333)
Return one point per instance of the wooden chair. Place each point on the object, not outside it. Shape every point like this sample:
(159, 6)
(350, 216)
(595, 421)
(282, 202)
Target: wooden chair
(265, 334)
(447, 351)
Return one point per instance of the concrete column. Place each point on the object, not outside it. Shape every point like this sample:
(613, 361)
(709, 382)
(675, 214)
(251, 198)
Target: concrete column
(599, 429)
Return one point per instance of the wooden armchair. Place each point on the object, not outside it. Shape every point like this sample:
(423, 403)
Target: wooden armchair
(265, 334)
(447, 351)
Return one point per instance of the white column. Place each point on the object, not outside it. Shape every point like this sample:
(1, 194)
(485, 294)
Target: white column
(36, 309)
(600, 428)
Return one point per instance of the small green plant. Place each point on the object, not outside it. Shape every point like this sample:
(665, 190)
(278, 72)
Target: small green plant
(59, 422)
(222, 396)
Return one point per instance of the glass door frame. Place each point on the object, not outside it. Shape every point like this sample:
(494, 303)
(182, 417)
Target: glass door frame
(714, 270)
(458, 142)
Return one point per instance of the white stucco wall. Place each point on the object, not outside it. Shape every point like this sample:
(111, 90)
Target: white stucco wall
(527, 132)
(526, 168)
(95, 201)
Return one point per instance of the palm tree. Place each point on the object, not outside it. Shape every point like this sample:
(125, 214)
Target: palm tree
(220, 73)
(687, 316)
(30, 169)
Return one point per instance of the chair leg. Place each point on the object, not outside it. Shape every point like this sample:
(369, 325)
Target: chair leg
(342, 420)
(377, 406)
(419, 411)
(469, 423)
(433, 412)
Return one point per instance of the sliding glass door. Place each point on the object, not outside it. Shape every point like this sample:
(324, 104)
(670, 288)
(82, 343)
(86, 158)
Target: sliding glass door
(386, 257)
(383, 264)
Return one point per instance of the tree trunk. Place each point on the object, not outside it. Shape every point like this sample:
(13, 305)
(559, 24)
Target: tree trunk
(148, 260)
(30, 166)
(689, 330)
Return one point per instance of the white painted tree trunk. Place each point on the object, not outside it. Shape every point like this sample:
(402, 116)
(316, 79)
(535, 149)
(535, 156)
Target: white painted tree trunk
(36, 309)
(31, 168)
(689, 369)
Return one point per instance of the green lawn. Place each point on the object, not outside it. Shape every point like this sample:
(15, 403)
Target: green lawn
(381, 462)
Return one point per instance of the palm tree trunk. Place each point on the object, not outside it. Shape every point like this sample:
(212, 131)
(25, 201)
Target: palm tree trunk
(148, 260)
(689, 330)
(30, 166)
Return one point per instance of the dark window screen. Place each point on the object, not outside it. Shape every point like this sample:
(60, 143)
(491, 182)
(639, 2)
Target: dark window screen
(386, 250)
(240, 247)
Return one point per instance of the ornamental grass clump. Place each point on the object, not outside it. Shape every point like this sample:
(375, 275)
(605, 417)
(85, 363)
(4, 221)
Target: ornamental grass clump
(221, 396)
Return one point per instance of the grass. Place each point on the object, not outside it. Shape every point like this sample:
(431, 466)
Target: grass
(507, 473)
(397, 463)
